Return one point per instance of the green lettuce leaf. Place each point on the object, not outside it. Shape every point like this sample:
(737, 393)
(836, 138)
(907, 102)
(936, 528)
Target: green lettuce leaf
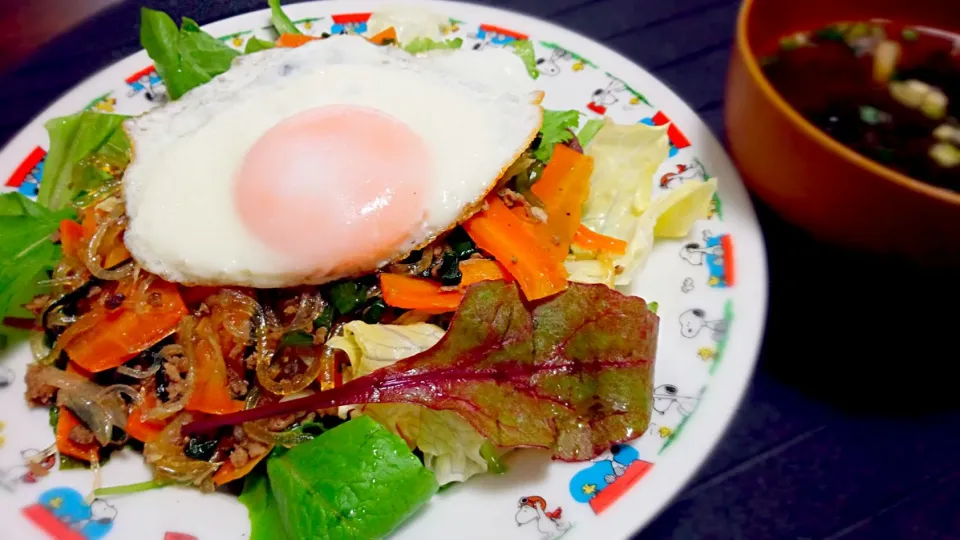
(589, 131)
(524, 49)
(357, 480)
(184, 58)
(450, 445)
(620, 203)
(423, 44)
(281, 22)
(255, 44)
(556, 128)
(86, 149)
(26, 251)
(266, 522)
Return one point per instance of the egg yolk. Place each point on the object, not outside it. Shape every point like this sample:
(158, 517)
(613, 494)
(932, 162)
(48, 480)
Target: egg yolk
(338, 187)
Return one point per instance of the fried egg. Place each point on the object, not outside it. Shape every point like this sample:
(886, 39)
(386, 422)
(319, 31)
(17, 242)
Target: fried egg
(307, 165)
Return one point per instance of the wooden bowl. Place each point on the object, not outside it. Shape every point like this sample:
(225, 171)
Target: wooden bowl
(809, 178)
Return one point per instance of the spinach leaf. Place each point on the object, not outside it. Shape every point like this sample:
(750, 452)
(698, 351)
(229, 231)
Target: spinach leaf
(297, 338)
(184, 58)
(524, 49)
(347, 296)
(265, 520)
(255, 44)
(325, 320)
(357, 480)
(281, 22)
(84, 147)
(424, 44)
(26, 251)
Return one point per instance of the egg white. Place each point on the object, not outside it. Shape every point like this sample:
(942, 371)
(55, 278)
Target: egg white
(475, 110)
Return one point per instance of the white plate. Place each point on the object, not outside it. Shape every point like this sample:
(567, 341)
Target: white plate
(695, 286)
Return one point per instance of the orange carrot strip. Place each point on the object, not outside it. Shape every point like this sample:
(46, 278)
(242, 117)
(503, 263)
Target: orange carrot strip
(294, 40)
(519, 248)
(123, 333)
(563, 188)
(66, 421)
(477, 270)
(384, 35)
(228, 473)
(71, 233)
(210, 392)
(594, 241)
(144, 431)
(417, 293)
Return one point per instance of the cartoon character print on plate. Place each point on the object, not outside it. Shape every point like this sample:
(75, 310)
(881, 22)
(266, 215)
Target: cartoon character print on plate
(488, 34)
(549, 524)
(237, 40)
(716, 253)
(452, 27)
(350, 23)
(615, 93)
(559, 60)
(26, 178)
(106, 103)
(607, 479)
(34, 466)
(310, 27)
(695, 323)
(672, 406)
(693, 170)
(148, 84)
(64, 514)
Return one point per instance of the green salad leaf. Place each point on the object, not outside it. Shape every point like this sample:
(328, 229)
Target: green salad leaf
(556, 128)
(265, 520)
(255, 44)
(280, 20)
(348, 295)
(84, 148)
(357, 480)
(589, 131)
(424, 44)
(26, 249)
(184, 58)
(524, 49)
(451, 447)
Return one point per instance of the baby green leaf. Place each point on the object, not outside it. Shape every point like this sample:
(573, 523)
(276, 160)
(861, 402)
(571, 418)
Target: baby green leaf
(280, 20)
(357, 480)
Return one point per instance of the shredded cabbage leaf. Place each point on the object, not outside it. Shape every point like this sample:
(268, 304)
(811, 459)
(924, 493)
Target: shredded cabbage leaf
(450, 445)
(620, 204)
(409, 22)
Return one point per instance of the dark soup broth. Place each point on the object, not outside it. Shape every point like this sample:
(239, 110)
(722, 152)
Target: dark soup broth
(888, 91)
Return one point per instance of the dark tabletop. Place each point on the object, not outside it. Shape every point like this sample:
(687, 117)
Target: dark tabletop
(851, 427)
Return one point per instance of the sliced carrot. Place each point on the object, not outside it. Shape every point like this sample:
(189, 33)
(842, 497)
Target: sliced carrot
(66, 421)
(417, 293)
(228, 473)
(122, 333)
(477, 270)
(144, 431)
(563, 188)
(519, 248)
(385, 35)
(594, 241)
(211, 394)
(71, 233)
(294, 40)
